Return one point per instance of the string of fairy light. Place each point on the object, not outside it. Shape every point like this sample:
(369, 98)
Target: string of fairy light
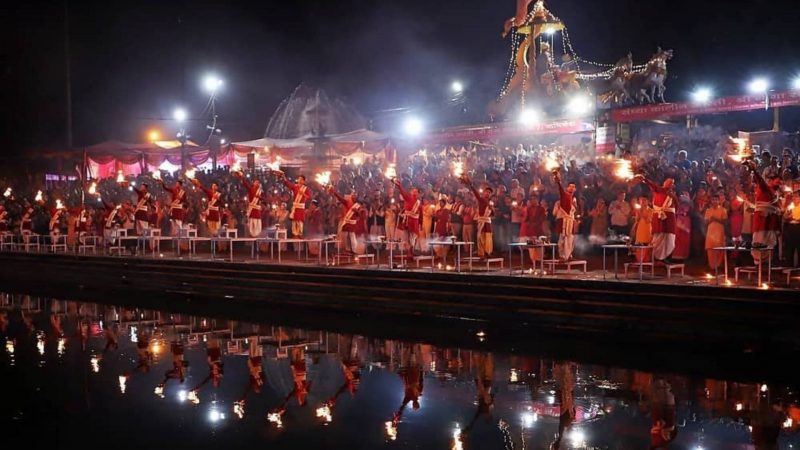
(567, 47)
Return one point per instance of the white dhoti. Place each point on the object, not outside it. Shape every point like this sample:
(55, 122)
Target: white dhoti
(663, 245)
(142, 225)
(176, 225)
(566, 245)
(767, 239)
(254, 227)
(297, 228)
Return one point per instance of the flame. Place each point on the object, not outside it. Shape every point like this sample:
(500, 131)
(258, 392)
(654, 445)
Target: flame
(93, 188)
(390, 172)
(356, 161)
(458, 169)
(637, 206)
(275, 165)
(38, 197)
(62, 345)
(324, 412)
(155, 347)
(7, 193)
(10, 347)
(791, 206)
(236, 167)
(788, 423)
(729, 283)
(275, 418)
(95, 363)
(391, 430)
(156, 175)
(739, 198)
(739, 406)
(623, 170)
(40, 344)
(123, 380)
(323, 178)
(190, 174)
(192, 397)
(120, 177)
(159, 390)
(551, 162)
(59, 205)
(741, 150)
(764, 286)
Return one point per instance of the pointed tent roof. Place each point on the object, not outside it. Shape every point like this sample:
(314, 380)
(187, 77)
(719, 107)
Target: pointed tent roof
(309, 111)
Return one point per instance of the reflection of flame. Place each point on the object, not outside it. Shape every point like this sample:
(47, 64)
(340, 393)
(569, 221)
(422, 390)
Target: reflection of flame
(458, 169)
(62, 344)
(93, 188)
(324, 412)
(190, 174)
(275, 418)
(7, 193)
(551, 163)
(391, 171)
(95, 363)
(457, 443)
(157, 175)
(120, 177)
(159, 390)
(192, 397)
(238, 409)
(623, 169)
(122, 382)
(323, 178)
(391, 430)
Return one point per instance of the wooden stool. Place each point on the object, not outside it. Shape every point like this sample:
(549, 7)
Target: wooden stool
(417, 259)
(671, 267)
(642, 265)
(554, 263)
(370, 257)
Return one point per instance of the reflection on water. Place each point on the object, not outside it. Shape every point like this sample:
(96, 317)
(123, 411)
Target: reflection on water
(99, 373)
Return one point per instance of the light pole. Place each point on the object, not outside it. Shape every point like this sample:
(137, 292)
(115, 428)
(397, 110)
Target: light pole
(180, 116)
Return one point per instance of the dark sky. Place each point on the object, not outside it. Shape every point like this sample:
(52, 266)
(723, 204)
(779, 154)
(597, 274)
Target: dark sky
(134, 61)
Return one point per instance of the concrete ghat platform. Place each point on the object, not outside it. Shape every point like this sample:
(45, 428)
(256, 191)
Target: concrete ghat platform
(706, 315)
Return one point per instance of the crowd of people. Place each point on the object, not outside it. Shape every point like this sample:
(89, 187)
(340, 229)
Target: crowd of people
(680, 207)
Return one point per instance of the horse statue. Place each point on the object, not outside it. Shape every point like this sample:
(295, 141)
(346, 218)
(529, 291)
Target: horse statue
(649, 84)
(614, 92)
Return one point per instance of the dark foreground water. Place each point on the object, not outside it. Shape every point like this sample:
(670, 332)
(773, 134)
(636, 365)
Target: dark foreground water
(80, 375)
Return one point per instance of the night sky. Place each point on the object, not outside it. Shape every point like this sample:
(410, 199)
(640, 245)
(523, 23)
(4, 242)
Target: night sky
(134, 61)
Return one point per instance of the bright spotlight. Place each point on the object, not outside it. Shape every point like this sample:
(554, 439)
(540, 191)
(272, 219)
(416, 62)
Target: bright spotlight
(211, 83)
(528, 419)
(579, 105)
(528, 117)
(796, 83)
(457, 87)
(550, 31)
(702, 95)
(179, 114)
(222, 141)
(759, 86)
(413, 126)
(154, 135)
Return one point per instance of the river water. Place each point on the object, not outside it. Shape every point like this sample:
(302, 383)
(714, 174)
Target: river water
(77, 374)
